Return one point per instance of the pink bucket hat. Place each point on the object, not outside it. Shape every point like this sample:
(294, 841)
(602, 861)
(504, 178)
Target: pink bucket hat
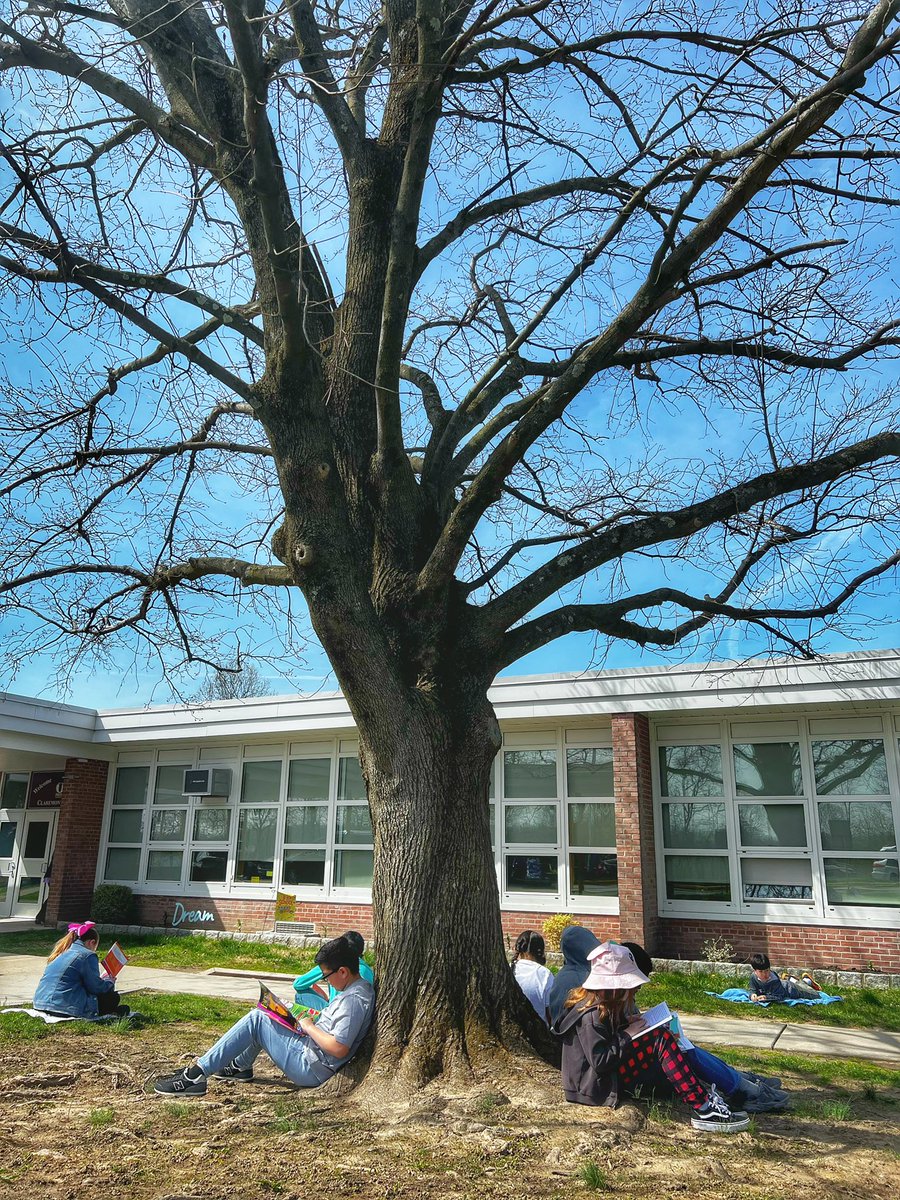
(613, 968)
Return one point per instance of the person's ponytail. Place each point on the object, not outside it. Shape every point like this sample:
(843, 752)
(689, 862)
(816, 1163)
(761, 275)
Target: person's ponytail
(62, 945)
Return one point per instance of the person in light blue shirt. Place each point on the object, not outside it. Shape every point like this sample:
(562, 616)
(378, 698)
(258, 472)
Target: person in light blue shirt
(305, 986)
(310, 1054)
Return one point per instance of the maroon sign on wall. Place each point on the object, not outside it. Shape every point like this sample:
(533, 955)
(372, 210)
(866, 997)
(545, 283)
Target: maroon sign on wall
(45, 789)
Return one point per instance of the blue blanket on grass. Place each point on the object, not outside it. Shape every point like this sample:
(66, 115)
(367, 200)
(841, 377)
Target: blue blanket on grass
(742, 996)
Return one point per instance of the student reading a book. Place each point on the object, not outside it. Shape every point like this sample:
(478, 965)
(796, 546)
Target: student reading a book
(71, 985)
(308, 1055)
(742, 1089)
(606, 1054)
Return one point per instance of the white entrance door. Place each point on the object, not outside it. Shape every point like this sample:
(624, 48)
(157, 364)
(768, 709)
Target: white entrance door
(35, 847)
(9, 859)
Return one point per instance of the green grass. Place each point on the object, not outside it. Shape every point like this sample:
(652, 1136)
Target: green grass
(212, 1014)
(825, 1072)
(193, 953)
(594, 1177)
(99, 1117)
(869, 1008)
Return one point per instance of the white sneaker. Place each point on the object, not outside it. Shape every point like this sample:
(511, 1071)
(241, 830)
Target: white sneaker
(716, 1117)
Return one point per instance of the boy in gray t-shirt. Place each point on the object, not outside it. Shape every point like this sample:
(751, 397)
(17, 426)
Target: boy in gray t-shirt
(309, 1055)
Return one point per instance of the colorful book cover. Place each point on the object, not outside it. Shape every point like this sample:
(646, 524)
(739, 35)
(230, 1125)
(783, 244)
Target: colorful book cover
(115, 960)
(274, 1008)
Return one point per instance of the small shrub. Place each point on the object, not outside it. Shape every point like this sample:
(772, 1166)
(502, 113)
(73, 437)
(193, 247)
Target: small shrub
(594, 1177)
(113, 904)
(553, 927)
(717, 950)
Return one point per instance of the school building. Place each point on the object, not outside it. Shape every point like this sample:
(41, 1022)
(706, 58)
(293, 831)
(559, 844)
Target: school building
(753, 801)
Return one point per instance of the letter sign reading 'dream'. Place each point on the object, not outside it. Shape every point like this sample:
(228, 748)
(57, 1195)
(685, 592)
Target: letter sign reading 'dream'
(183, 916)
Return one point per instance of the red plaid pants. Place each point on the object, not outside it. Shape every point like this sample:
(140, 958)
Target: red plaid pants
(655, 1057)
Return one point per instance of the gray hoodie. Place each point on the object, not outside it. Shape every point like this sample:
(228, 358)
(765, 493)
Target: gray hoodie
(576, 944)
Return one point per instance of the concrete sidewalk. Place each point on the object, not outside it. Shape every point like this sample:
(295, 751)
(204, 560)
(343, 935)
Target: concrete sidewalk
(19, 975)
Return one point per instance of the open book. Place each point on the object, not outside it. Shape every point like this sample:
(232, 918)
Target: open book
(653, 1018)
(115, 960)
(274, 1008)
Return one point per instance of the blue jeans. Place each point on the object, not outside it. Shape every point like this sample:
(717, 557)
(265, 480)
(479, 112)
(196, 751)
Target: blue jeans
(713, 1070)
(245, 1040)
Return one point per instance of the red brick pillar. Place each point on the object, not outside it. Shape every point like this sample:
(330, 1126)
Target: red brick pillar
(77, 840)
(638, 907)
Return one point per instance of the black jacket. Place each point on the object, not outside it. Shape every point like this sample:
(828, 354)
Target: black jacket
(591, 1052)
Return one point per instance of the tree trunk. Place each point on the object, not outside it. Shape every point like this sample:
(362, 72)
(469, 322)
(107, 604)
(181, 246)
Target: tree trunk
(447, 1001)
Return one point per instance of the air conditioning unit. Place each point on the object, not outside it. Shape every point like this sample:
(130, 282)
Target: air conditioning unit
(212, 783)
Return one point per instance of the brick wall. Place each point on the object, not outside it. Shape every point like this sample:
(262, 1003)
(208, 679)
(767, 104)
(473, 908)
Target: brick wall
(638, 917)
(256, 915)
(793, 945)
(77, 840)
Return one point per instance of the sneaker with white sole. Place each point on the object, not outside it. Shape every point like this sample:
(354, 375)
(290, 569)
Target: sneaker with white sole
(714, 1116)
(185, 1083)
(232, 1071)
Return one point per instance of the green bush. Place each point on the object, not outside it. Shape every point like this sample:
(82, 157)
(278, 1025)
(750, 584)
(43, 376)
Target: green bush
(113, 904)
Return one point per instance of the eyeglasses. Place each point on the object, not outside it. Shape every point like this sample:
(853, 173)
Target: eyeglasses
(329, 974)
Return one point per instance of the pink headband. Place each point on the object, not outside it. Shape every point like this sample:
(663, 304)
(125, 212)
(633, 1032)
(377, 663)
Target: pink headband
(81, 929)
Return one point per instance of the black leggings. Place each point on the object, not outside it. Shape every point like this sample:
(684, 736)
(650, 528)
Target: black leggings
(108, 1002)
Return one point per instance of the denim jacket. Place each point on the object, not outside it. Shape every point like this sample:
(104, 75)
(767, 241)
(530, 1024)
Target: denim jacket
(71, 983)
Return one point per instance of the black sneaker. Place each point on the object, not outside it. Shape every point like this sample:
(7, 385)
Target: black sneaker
(242, 1074)
(181, 1084)
(716, 1117)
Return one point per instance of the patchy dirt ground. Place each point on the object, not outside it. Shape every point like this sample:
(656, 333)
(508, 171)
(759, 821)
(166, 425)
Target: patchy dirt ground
(82, 1123)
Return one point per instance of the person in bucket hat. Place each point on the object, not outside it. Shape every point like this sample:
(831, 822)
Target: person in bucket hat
(604, 1058)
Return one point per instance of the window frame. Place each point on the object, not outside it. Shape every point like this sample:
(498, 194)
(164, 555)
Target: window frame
(817, 909)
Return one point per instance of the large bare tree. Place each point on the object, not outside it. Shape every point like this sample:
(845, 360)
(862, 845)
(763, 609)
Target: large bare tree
(400, 310)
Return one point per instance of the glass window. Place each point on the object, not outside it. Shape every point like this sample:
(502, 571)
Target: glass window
(212, 824)
(592, 825)
(256, 845)
(691, 877)
(690, 771)
(856, 825)
(768, 769)
(854, 767)
(127, 825)
(7, 838)
(772, 824)
(169, 786)
(351, 785)
(167, 825)
(308, 779)
(530, 823)
(492, 818)
(131, 785)
(306, 823)
(528, 773)
(352, 825)
(353, 868)
(164, 865)
(532, 873)
(123, 865)
(864, 881)
(694, 826)
(36, 838)
(15, 790)
(209, 866)
(304, 868)
(594, 874)
(260, 782)
(776, 879)
(589, 772)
